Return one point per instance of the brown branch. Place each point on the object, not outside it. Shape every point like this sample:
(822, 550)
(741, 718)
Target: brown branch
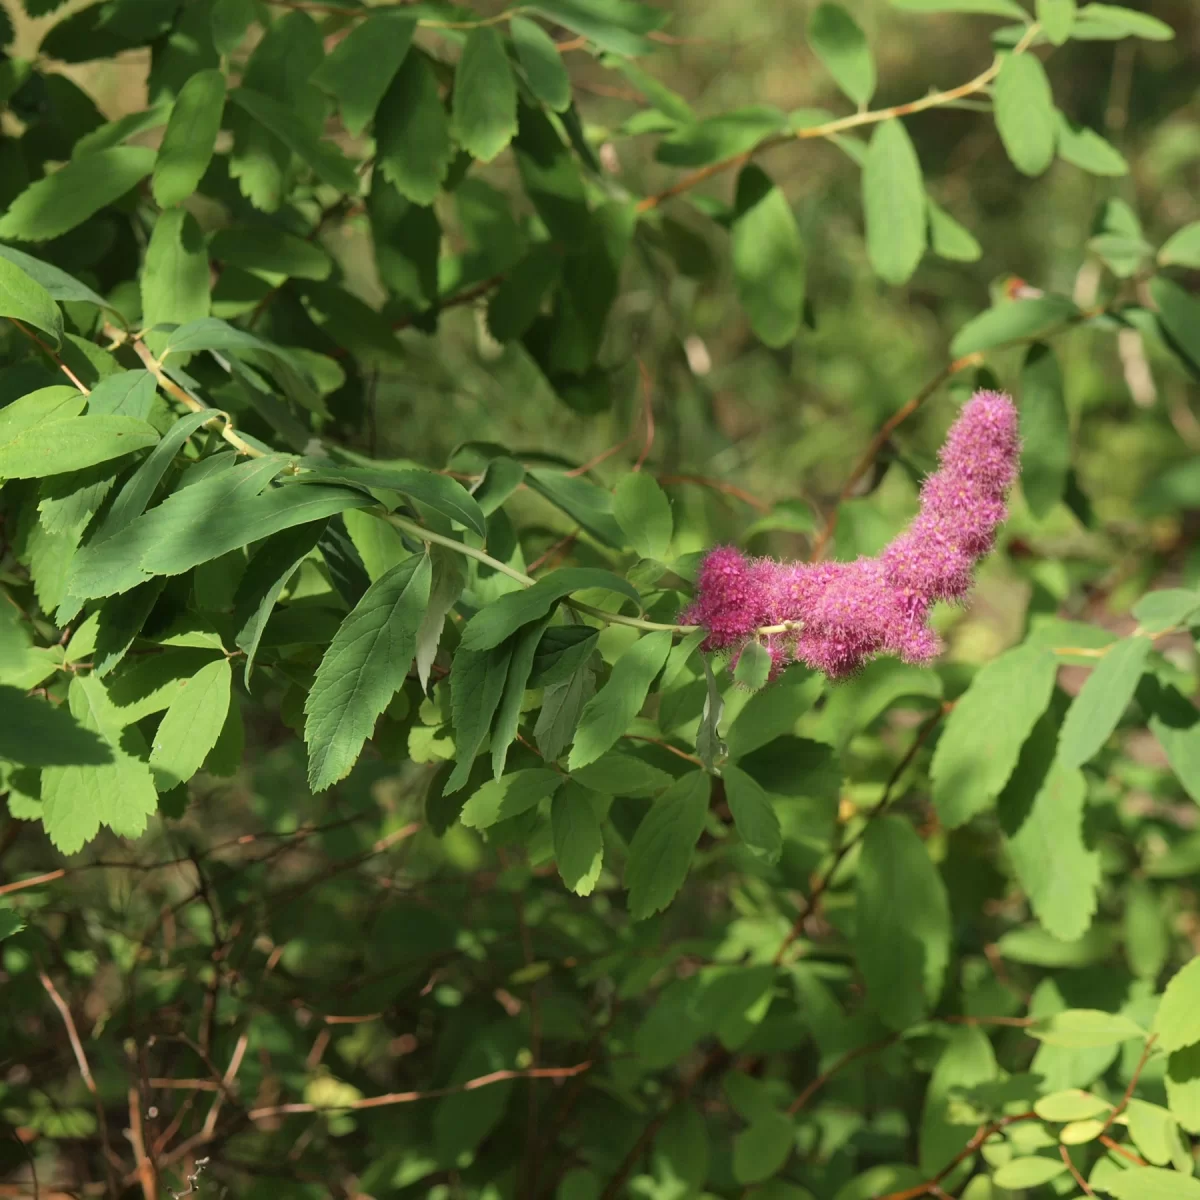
(1147, 1050)
(33, 881)
(52, 353)
(822, 540)
(455, 301)
(846, 1059)
(1123, 1151)
(1065, 1155)
(716, 485)
(145, 1168)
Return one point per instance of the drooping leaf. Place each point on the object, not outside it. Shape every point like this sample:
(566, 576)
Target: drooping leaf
(444, 590)
(120, 621)
(902, 923)
(893, 203)
(1024, 110)
(562, 704)
(58, 203)
(584, 502)
(753, 666)
(541, 62)
(982, 737)
(191, 726)
(191, 135)
(768, 258)
(1102, 700)
(57, 282)
(412, 132)
(477, 680)
(484, 115)
(562, 649)
(1127, 22)
(509, 796)
(753, 816)
(508, 714)
(578, 838)
(609, 712)
(967, 1061)
(662, 847)
(616, 774)
(271, 251)
(24, 299)
(840, 44)
(1045, 431)
(176, 275)
(644, 513)
(362, 670)
(363, 64)
(619, 26)
(762, 1148)
(949, 239)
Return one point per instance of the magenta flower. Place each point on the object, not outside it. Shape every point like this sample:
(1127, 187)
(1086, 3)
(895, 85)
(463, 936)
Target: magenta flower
(842, 613)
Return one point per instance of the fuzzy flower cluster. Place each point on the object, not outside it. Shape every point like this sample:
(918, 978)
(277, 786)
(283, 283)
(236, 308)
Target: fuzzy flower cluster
(842, 613)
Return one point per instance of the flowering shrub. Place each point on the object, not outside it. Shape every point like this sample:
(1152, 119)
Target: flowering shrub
(402, 797)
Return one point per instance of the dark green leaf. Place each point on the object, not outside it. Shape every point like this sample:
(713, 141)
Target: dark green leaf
(477, 680)
(753, 666)
(562, 649)
(578, 839)
(23, 298)
(967, 1061)
(753, 815)
(363, 64)
(542, 63)
(1045, 431)
(191, 135)
(584, 502)
(561, 705)
(271, 251)
(508, 714)
(616, 774)
(37, 734)
(662, 847)
(412, 132)
(484, 115)
(58, 283)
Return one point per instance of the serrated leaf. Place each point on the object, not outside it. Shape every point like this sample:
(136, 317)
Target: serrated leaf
(902, 923)
(541, 62)
(1086, 149)
(609, 712)
(191, 135)
(983, 735)
(1102, 700)
(616, 774)
(838, 41)
(768, 259)
(77, 800)
(477, 680)
(1041, 811)
(484, 113)
(578, 839)
(509, 796)
(754, 816)
(36, 733)
(1182, 248)
(662, 847)
(58, 203)
(1045, 431)
(266, 575)
(57, 446)
(362, 670)
(1056, 18)
(508, 714)
(505, 616)
(1080, 1028)
(191, 726)
(644, 513)
(1024, 111)
(120, 621)
(24, 299)
(1177, 1022)
(412, 132)
(893, 203)
(327, 162)
(176, 275)
(363, 64)
(562, 704)
(563, 648)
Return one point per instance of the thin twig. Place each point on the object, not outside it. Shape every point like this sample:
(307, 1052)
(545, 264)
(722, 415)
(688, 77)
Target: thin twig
(1065, 1155)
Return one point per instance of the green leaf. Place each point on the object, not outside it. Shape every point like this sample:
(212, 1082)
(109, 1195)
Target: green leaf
(58, 283)
(61, 201)
(1182, 248)
(23, 298)
(263, 248)
(762, 1149)
(327, 162)
(1170, 608)
(618, 26)
(444, 591)
(616, 774)
(1029, 1172)
(1015, 320)
(442, 494)
(1127, 23)
(1146, 936)
(662, 847)
(1086, 149)
(711, 750)
(477, 680)
(1177, 1023)
(550, 175)
(753, 815)
(561, 705)
(611, 710)
(363, 65)
(10, 923)
(983, 735)
(191, 726)
(484, 115)
(508, 714)
(35, 733)
(505, 616)
(412, 132)
(753, 666)
(1045, 431)
(1102, 700)
(768, 259)
(949, 239)
(53, 447)
(995, 8)
(967, 1062)
(78, 799)
(1056, 18)
(837, 40)
(902, 923)
(893, 203)
(362, 670)
(578, 839)
(541, 62)
(1155, 1132)
(775, 710)
(509, 796)
(191, 135)
(644, 513)
(1183, 1087)
(1079, 1028)
(1074, 1104)
(176, 275)
(584, 502)
(1025, 116)
(1041, 811)
(714, 139)
(563, 648)
(1179, 318)
(267, 574)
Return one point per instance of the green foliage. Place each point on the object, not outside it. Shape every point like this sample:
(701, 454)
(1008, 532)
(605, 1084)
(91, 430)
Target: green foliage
(372, 379)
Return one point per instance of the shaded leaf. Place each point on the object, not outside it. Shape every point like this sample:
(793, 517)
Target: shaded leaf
(662, 847)
(191, 726)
